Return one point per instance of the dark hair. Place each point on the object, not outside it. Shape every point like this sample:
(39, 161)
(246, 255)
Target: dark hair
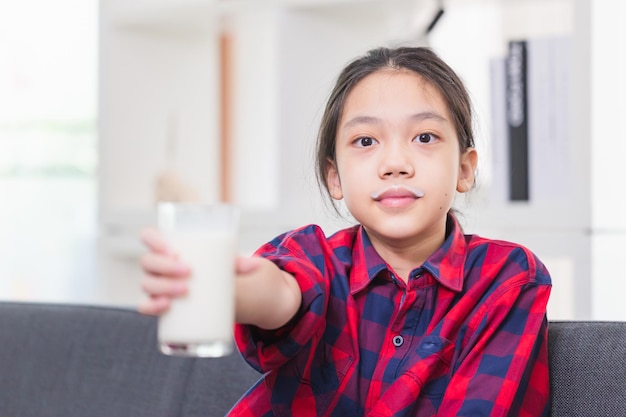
(420, 60)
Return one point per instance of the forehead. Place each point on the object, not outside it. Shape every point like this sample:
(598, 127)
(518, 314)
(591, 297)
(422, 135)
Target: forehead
(394, 87)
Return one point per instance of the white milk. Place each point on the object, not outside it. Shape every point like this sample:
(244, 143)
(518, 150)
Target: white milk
(205, 315)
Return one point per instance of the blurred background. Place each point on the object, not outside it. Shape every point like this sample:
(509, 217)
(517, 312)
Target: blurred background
(108, 106)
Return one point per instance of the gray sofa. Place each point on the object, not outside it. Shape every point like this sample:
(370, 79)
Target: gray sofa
(84, 361)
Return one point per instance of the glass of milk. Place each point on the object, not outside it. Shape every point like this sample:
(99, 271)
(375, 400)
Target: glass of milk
(200, 324)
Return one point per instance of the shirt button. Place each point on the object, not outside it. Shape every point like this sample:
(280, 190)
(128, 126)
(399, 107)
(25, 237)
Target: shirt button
(398, 341)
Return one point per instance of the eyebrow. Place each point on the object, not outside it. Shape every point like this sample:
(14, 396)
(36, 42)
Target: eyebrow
(372, 120)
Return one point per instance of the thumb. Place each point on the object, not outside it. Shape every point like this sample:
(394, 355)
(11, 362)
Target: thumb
(155, 241)
(244, 264)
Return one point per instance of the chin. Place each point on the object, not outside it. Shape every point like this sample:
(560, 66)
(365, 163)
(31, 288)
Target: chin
(393, 232)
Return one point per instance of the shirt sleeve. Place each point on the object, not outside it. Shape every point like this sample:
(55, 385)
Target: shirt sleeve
(505, 370)
(301, 253)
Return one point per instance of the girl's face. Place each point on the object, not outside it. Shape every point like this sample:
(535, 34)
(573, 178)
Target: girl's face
(398, 163)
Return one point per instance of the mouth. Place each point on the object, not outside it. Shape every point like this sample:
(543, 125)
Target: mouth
(397, 195)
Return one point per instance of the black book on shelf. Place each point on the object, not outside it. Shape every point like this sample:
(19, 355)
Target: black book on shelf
(517, 120)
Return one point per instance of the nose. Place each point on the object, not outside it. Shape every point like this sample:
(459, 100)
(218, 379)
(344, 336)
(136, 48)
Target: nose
(396, 162)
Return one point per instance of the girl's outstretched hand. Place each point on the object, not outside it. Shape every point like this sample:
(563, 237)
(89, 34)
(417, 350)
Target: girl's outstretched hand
(165, 276)
(264, 295)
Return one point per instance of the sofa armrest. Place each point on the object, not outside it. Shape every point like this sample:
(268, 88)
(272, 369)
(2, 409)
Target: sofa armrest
(587, 368)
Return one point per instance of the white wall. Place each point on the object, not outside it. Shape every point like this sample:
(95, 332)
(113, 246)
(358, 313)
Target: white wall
(607, 92)
(145, 79)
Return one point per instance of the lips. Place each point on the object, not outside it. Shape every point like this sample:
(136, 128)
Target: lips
(397, 195)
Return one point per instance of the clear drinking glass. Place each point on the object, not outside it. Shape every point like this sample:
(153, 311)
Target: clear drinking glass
(204, 236)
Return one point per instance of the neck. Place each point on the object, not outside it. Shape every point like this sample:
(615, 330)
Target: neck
(403, 257)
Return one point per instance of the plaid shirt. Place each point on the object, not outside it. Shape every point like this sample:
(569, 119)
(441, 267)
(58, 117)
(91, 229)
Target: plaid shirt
(467, 336)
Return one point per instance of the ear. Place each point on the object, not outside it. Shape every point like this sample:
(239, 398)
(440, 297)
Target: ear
(333, 182)
(467, 170)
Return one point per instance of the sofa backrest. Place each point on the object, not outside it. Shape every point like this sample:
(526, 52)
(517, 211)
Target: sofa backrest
(95, 361)
(83, 361)
(587, 368)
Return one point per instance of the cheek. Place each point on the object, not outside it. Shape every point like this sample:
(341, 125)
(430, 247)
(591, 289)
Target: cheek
(348, 189)
(448, 199)
(350, 177)
(443, 183)
(442, 200)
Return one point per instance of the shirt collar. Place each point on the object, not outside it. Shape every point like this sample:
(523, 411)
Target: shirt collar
(446, 264)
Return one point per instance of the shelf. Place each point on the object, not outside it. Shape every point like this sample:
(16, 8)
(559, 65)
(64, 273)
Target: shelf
(202, 16)
(184, 16)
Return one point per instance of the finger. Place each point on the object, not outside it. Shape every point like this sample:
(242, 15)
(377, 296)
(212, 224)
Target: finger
(155, 241)
(156, 264)
(157, 286)
(155, 306)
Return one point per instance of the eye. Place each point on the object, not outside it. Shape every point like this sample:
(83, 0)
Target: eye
(425, 138)
(365, 141)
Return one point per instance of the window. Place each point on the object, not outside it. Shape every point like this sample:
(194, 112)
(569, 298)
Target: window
(48, 149)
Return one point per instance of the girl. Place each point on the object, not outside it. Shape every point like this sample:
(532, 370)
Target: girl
(401, 314)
